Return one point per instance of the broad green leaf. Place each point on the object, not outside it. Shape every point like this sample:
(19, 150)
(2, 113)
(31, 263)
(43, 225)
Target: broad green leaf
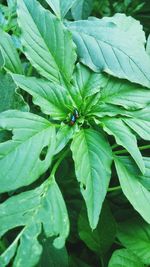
(101, 239)
(85, 84)
(129, 25)
(92, 157)
(10, 56)
(103, 46)
(82, 9)
(63, 136)
(148, 45)
(124, 258)
(52, 98)
(20, 157)
(60, 7)
(102, 109)
(140, 122)
(135, 236)
(123, 93)
(47, 45)
(132, 187)
(9, 98)
(41, 207)
(53, 257)
(124, 137)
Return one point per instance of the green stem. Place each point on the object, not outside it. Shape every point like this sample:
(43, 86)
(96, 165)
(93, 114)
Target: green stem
(119, 152)
(111, 189)
(114, 146)
(55, 167)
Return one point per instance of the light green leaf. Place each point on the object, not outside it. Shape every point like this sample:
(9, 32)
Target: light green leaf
(10, 56)
(135, 236)
(60, 7)
(148, 45)
(82, 9)
(63, 136)
(103, 46)
(102, 109)
(85, 84)
(140, 122)
(132, 187)
(124, 258)
(52, 98)
(20, 158)
(129, 25)
(101, 239)
(124, 137)
(47, 45)
(41, 207)
(123, 93)
(9, 98)
(93, 157)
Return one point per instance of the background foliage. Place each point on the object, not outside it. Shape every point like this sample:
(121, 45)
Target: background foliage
(74, 133)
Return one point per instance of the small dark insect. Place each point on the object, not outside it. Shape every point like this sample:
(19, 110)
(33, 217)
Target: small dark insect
(72, 120)
(76, 113)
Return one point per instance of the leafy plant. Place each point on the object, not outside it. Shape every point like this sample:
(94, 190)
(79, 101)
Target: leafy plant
(75, 105)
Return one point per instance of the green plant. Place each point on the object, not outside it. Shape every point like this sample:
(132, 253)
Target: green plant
(77, 105)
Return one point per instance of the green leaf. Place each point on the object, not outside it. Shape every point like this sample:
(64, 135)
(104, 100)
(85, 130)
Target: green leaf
(123, 93)
(60, 7)
(124, 258)
(9, 98)
(47, 45)
(41, 207)
(52, 256)
(20, 158)
(124, 137)
(135, 236)
(93, 157)
(52, 98)
(130, 26)
(103, 46)
(102, 109)
(148, 45)
(82, 9)
(85, 84)
(136, 193)
(101, 239)
(10, 56)
(140, 122)
(63, 136)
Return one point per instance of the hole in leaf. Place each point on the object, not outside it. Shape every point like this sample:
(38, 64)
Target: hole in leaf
(5, 135)
(43, 153)
(83, 186)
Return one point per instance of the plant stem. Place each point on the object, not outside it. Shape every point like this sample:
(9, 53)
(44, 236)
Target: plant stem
(111, 189)
(114, 146)
(125, 151)
(55, 167)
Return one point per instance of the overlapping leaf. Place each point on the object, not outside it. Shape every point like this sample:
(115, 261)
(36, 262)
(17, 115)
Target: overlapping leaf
(124, 137)
(103, 46)
(61, 7)
(41, 207)
(9, 98)
(81, 9)
(131, 184)
(92, 156)
(20, 161)
(10, 56)
(47, 45)
(135, 236)
(124, 258)
(52, 98)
